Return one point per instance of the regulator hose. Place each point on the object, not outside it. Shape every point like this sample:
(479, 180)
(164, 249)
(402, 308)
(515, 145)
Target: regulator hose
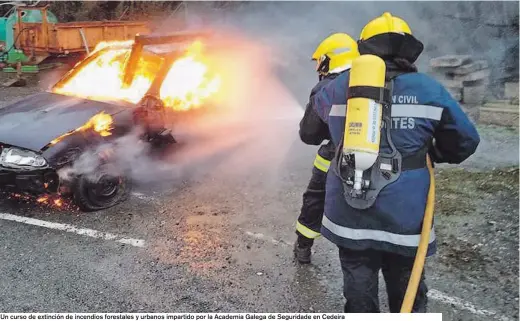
(420, 257)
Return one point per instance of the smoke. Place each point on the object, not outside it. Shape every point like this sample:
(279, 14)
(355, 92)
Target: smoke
(239, 130)
(487, 30)
(128, 155)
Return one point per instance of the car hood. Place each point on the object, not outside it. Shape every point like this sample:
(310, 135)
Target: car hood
(34, 121)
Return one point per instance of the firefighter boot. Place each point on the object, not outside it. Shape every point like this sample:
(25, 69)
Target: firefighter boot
(302, 249)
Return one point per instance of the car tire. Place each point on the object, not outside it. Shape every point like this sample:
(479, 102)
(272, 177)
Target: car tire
(104, 189)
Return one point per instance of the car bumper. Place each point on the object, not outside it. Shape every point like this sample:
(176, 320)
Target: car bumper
(30, 181)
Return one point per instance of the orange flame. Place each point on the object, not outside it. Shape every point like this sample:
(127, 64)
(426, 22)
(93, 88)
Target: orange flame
(187, 85)
(101, 79)
(100, 123)
(54, 201)
(107, 44)
(43, 199)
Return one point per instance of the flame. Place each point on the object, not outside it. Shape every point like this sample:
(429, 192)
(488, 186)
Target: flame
(187, 85)
(188, 82)
(107, 44)
(43, 199)
(54, 201)
(101, 79)
(100, 123)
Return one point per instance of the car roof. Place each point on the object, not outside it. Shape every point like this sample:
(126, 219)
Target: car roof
(167, 46)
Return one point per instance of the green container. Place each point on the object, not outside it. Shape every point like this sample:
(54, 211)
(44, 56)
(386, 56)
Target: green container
(8, 38)
(7, 24)
(34, 16)
(3, 24)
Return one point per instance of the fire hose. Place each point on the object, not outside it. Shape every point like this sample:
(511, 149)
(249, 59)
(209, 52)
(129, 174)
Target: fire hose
(420, 257)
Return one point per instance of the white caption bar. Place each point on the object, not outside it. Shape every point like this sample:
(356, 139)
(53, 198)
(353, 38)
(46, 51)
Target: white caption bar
(223, 316)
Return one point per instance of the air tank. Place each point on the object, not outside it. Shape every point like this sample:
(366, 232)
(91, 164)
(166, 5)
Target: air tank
(364, 116)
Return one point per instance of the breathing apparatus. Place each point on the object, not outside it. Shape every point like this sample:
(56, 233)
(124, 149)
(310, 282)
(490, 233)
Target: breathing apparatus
(359, 163)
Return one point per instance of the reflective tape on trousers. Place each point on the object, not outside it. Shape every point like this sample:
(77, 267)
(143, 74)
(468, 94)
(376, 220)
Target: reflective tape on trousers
(321, 163)
(399, 110)
(374, 235)
(305, 231)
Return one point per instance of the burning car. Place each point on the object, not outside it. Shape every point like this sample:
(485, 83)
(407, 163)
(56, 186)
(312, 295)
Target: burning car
(117, 88)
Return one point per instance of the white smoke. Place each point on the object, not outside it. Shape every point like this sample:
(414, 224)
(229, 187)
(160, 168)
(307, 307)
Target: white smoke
(240, 129)
(128, 154)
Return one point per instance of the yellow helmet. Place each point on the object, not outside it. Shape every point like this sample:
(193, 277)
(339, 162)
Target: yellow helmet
(386, 23)
(389, 37)
(335, 53)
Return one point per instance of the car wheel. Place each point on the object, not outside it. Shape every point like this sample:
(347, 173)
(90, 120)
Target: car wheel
(106, 188)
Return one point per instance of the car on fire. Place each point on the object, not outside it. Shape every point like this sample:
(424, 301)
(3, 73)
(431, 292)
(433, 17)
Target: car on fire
(115, 89)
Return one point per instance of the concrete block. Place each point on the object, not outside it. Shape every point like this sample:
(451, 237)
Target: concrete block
(447, 71)
(450, 61)
(440, 75)
(454, 84)
(511, 90)
(479, 82)
(473, 112)
(471, 67)
(474, 95)
(473, 76)
(498, 102)
(456, 93)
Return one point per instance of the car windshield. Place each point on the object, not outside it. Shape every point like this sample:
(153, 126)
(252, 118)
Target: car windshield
(100, 76)
(188, 82)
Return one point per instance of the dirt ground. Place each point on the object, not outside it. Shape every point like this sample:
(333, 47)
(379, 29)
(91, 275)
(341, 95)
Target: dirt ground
(477, 221)
(477, 218)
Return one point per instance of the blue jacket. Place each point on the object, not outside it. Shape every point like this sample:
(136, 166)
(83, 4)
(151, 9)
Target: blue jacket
(313, 130)
(422, 109)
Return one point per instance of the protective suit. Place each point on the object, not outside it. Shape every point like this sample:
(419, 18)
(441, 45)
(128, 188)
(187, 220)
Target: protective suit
(386, 235)
(333, 56)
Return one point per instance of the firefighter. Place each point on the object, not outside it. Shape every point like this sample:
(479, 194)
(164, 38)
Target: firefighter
(333, 56)
(424, 120)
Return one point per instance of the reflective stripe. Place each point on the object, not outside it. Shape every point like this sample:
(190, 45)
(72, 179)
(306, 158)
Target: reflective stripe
(338, 110)
(339, 69)
(399, 110)
(321, 163)
(305, 231)
(417, 111)
(374, 235)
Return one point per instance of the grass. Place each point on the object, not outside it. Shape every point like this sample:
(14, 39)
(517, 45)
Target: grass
(458, 190)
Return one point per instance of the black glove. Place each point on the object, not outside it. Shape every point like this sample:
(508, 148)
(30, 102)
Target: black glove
(435, 153)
